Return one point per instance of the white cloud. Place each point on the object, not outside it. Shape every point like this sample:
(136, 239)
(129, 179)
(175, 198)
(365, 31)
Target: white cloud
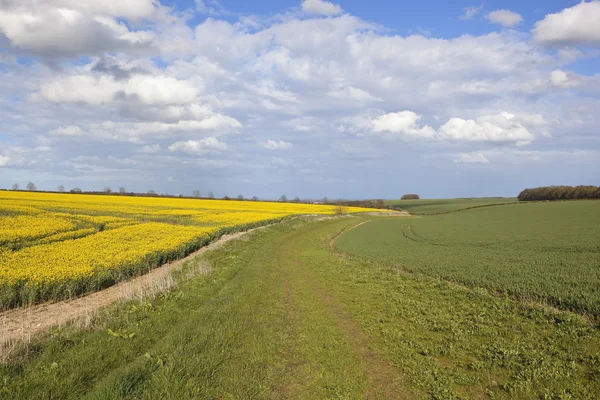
(333, 83)
(476, 158)
(196, 147)
(70, 130)
(103, 89)
(571, 26)
(136, 131)
(470, 12)
(131, 9)
(501, 128)
(4, 160)
(505, 18)
(277, 145)
(149, 149)
(69, 27)
(562, 80)
(352, 93)
(403, 123)
(321, 7)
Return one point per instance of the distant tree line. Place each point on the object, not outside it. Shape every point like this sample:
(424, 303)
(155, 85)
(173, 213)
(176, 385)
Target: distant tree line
(359, 203)
(560, 193)
(410, 196)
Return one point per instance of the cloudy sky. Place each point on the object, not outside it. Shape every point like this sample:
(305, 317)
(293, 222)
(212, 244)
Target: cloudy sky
(304, 98)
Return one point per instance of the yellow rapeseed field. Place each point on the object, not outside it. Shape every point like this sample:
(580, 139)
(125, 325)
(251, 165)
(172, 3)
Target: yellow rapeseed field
(57, 245)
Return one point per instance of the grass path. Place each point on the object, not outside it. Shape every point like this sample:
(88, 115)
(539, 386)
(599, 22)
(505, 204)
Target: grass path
(283, 316)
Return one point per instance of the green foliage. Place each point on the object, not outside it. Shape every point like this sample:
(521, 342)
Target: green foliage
(410, 196)
(547, 252)
(560, 193)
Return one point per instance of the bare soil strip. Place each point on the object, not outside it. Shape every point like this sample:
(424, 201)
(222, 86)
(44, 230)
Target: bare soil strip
(21, 324)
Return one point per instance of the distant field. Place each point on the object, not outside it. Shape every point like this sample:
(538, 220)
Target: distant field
(547, 252)
(434, 206)
(59, 245)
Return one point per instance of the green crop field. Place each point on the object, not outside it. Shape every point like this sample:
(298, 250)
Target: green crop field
(547, 252)
(435, 206)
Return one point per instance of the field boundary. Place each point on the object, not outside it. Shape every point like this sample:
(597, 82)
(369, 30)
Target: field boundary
(333, 239)
(467, 208)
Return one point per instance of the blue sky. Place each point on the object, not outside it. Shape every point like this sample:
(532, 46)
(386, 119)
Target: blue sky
(306, 98)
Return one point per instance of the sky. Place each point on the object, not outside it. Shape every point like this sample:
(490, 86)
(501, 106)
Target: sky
(308, 98)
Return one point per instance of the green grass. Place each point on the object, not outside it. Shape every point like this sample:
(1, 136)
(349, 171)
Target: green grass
(283, 316)
(547, 252)
(436, 206)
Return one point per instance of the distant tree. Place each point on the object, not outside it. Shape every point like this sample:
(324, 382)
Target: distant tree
(379, 204)
(107, 190)
(325, 200)
(180, 195)
(584, 192)
(410, 196)
(254, 198)
(226, 197)
(211, 195)
(339, 208)
(240, 197)
(76, 190)
(122, 190)
(60, 189)
(31, 187)
(15, 186)
(152, 192)
(283, 198)
(196, 194)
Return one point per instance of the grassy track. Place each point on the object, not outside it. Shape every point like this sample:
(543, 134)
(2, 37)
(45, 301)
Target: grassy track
(441, 206)
(282, 316)
(547, 252)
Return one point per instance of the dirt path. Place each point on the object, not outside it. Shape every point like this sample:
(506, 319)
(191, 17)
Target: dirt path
(21, 324)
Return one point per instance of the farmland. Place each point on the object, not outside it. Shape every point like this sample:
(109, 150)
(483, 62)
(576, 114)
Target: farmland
(544, 252)
(55, 246)
(437, 206)
(281, 315)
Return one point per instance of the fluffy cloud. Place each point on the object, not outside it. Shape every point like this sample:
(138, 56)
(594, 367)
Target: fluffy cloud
(321, 7)
(571, 26)
(332, 84)
(403, 123)
(561, 79)
(68, 27)
(277, 145)
(150, 149)
(4, 160)
(500, 128)
(103, 89)
(198, 147)
(472, 158)
(505, 18)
